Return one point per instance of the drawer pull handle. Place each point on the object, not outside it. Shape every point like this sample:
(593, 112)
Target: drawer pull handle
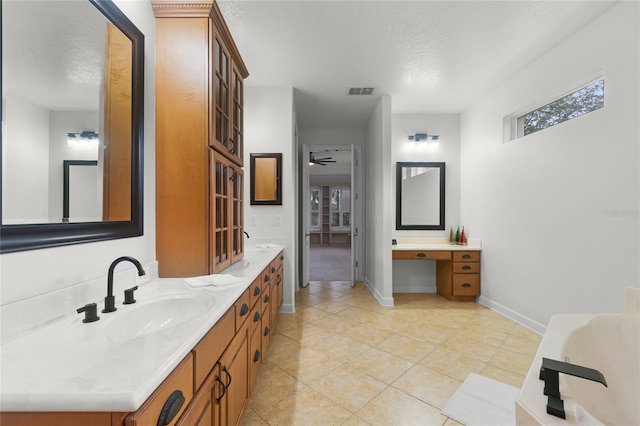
(266, 278)
(244, 310)
(256, 317)
(171, 408)
(273, 269)
(466, 285)
(266, 331)
(256, 291)
(466, 256)
(224, 389)
(466, 267)
(421, 255)
(281, 257)
(256, 356)
(228, 375)
(266, 298)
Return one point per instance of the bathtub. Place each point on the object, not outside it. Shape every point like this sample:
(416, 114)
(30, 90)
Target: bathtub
(608, 343)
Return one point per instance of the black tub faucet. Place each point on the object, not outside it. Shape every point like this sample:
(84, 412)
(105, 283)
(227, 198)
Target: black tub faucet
(549, 372)
(110, 300)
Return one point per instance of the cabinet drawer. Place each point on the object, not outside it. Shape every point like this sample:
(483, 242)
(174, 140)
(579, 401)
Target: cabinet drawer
(466, 284)
(255, 356)
(207, 352)
(243, 308)
(466, 267)
(180, 380)
(200, 411)
(256, 291)
(466, 256)
(418, 255)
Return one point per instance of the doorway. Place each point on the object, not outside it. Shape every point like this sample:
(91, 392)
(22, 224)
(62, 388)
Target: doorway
(330, 217)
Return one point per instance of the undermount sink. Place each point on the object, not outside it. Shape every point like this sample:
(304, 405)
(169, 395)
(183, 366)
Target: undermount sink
(158, 313)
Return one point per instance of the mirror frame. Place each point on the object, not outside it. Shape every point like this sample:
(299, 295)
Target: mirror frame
(277, 201)
(425, 227)
(15, 238)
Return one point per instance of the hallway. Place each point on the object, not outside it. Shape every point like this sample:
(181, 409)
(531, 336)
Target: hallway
(344, 359)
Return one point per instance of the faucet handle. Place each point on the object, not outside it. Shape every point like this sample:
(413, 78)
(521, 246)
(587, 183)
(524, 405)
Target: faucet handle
(90, 312)
(128, 296)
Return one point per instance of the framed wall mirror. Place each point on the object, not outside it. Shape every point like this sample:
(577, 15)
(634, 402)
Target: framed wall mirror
(420, 196)
(72, 89)
(266, 183)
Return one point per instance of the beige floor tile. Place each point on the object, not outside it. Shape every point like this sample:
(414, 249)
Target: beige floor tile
(386, 323)
(452, 364)
(406, 348)
(521, 345)
(335, 324)
(512, 361)
(307, 364)
(484, 335)
(426, 334)
(471, 348)
(280, 346)
(451, 422)
(350, 388)
(332, 306)
(365, 333)
(508, 377)
(310, 313)
(310, 334)
(525, 333)
(340, 348)
(394, 407)
(310, 300)
(306, 407)
(355, 421)
(427, 385)
(252, 419)
(272, 385)
(380, 365)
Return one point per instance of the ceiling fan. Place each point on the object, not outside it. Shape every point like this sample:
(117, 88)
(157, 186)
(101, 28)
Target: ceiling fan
(321, 161)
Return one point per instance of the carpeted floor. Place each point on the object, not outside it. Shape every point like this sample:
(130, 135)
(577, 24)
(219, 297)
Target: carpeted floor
(330, 263)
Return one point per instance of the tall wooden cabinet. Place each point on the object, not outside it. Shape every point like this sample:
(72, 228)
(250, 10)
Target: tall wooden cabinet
(199, 140)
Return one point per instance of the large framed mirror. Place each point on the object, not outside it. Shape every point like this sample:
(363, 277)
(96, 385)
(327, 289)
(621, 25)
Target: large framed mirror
(420, 196)
(72, 90)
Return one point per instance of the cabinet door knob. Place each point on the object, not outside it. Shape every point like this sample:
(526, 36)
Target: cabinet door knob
(266, 298)
(256, 291)
(256, 317)
(273, 269)
(171, 408)
(266, 331)
(266, 278)
(244, 309)
(256, 356)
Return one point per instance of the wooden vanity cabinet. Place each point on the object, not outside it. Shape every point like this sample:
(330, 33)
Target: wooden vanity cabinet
(199, 140)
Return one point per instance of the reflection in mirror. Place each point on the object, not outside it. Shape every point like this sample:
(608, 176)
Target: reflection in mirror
(266, 186)
(70, 69)
(420, 196)
(80, 202)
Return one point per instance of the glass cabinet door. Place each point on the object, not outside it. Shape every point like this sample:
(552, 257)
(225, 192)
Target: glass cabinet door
(220, 66)
(220, 223)
(237, 214)
(237, 114)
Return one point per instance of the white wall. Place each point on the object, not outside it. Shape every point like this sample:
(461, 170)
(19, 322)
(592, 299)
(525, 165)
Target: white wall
(30, 273)
(269, 128)
(420, 277)
(378, 202)
(557, 211)
(25, 165)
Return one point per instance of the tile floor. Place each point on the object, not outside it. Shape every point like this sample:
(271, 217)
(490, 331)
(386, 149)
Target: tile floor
(342, 359)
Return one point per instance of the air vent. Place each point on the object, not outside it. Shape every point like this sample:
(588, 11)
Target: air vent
(361, 90)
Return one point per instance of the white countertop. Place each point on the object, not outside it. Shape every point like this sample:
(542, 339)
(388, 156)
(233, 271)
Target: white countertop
(70, 366)
(434, 244)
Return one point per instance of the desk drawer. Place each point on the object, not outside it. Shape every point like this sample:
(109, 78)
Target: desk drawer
(466, 256)
(420, 255)
(466, 284)
(466, 267)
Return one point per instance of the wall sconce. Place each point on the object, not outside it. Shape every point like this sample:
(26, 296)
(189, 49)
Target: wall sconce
(85, 138)
(432, 142)
(423, 137)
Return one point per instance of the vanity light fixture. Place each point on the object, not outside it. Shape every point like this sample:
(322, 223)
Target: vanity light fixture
(82, 138)
(423, 137)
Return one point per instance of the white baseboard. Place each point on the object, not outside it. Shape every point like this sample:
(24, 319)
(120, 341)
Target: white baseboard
(415, 288)
(384, 301)
(513, 315)
(287, 308)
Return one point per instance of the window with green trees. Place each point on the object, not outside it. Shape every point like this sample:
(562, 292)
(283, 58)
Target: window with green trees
(579, 102)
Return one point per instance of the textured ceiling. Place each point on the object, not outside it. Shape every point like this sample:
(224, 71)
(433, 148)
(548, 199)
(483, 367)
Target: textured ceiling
(429, 56)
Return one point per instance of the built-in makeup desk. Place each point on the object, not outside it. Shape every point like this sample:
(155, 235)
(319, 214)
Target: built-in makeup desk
(457, 266)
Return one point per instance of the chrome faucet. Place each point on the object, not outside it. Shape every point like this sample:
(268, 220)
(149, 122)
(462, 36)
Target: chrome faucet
(110, 300)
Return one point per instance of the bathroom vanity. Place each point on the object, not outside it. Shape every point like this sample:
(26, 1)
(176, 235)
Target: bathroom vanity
(457, 266)
(200, 369)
